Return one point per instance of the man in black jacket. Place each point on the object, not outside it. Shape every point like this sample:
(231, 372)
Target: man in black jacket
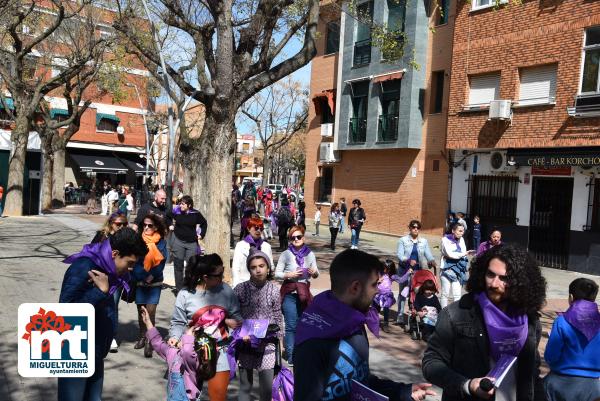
(498, 320)
(332, 349)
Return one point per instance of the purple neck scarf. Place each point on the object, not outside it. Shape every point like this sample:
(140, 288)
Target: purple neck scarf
(101, 254)
(584, 316)
(329, 318)
(454, 241)
(254, 243)
(507, 334)
(300, 254)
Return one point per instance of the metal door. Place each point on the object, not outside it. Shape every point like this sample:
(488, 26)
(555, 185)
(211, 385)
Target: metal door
(550, 220)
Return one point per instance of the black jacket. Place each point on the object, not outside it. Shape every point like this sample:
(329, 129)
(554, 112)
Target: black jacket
(458, 350)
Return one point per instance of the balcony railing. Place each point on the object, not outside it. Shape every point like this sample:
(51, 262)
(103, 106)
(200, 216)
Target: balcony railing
(358, 130)
(585, 106)
(362, 52)
(388, 128)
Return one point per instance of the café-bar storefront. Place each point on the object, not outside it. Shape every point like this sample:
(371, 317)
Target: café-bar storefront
(564, 207)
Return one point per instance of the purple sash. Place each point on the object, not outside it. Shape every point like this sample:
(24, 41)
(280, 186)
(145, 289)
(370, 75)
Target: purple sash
(507, 334)
(455, 241)
(253, 243)
(299, 254)
(329, 318)
(584, 316)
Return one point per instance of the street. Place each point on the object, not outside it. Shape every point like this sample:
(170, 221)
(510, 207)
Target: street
(31, 251)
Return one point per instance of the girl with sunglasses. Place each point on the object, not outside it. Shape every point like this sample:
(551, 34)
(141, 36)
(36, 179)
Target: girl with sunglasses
(114, 223)
(251, 242)
(296, 266)
(148, 275)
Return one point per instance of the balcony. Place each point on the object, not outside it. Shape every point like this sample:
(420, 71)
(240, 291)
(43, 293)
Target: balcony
(357, 130)
(585, 106)
(388, 128)
(362, 52)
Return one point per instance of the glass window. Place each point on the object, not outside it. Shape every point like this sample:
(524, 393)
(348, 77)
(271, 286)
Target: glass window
(590, 81)
(107, 125)
(325, 184)
(443, 9)
(365, 14)
(437, 92)
(333, 37)
(326, 114)
(396, 11)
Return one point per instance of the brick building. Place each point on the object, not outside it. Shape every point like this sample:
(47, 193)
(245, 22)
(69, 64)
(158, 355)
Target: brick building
(523, 125)
(377, 128)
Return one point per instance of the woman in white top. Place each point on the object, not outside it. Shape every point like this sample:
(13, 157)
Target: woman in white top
(296, 266)
(453, 264)
(239, 271)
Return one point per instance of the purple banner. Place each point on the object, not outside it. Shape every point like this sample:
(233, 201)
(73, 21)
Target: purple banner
(254, 327)
(360, 392)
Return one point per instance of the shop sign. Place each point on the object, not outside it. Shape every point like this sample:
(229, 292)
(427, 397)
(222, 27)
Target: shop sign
(551, 170)
(554, 159)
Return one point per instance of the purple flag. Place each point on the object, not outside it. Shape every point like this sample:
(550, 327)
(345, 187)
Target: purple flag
(360, 392)
(584, 316)
(254, 327)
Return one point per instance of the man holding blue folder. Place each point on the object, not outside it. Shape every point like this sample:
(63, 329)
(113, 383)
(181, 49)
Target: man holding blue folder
(486, 345)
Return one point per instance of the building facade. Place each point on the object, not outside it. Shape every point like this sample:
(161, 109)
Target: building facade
(246, 159)
(523, 125)
(377, 128)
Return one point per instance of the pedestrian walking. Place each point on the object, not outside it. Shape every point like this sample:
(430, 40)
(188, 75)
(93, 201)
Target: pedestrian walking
(93, 276)
(356, 219)
(454, 264)
(573, 347)
(259, 300)
(248, 211)
(212, 305)
(112, 198)
(296, 266)
(301, 213)
(317, 220)
(285, 220)
(336, 220)
(158, 206)
(344, 211)
(90, 207)
(476, 234)
(332, 345)
(148, 275)
(495, 325)
(495, 240)
(460, 219)
(185, 230)
(104, 198)
(251, 242)
(384, 299)
(414, 250)
(183, 381)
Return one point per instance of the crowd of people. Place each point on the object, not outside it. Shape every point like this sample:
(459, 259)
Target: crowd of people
(483, 345)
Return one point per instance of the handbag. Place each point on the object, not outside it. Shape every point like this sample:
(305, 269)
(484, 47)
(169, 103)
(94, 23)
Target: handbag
(129, 297)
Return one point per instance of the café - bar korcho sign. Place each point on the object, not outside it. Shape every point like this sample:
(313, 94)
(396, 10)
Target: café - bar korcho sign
(553, 158)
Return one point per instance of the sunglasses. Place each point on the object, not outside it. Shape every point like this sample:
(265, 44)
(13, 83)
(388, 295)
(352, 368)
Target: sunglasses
(417, 227)
(148, 225)
(257, 228)
(297, 237)
(121, 223)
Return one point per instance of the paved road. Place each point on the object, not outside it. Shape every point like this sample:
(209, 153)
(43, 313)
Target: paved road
(31, 250)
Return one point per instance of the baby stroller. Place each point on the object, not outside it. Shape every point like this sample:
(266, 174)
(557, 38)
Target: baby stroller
(414, 321)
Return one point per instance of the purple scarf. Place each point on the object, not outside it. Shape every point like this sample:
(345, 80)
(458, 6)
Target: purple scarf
(253, 243)
(584, 316)
(101, 254)
(454, 241)
(507, 334)
(329, 318)
(300, 254)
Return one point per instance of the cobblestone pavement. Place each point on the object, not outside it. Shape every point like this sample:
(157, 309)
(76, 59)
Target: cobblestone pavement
(31, 251)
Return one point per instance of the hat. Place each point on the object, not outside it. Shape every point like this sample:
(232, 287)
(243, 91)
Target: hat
(258, 254)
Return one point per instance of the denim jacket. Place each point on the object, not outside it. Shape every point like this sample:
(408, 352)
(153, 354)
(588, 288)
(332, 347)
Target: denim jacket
(405, 246)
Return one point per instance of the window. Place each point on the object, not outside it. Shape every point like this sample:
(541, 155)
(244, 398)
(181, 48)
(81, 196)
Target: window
(593, 220)
(538, 85)
(590, 82)
(325, 184)
(395, 25)
(436, 165)
(390, 110)
(362, 45)
(484, 88)
(443, 9)
(493, 198)
(326, 114)
(358, 122)
(436, 99)
(245, 147)
(477, 4)
(107, 125)
(332, 44)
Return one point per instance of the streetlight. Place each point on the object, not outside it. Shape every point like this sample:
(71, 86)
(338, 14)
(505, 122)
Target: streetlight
(144, 111)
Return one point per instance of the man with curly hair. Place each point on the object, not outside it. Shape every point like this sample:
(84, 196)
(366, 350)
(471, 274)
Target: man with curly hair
(495, 325)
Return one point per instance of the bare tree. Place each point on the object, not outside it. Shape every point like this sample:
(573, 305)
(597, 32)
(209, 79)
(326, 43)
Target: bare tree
(238, 50)
(32, 38)
(278, 112)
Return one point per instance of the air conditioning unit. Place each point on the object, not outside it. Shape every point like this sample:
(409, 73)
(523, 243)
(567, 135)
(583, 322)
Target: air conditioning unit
(327, 130)
(500, 110)
(327, 154)
(498, 162)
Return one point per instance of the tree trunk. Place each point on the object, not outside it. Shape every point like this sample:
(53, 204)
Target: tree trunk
(13, 205)
(266, 167)
(58, 184)
(48, 172)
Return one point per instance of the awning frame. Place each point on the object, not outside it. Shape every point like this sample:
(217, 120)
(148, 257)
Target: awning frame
(103, 116)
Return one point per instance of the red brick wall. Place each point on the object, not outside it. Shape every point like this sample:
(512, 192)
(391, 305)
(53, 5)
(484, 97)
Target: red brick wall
(504, 40)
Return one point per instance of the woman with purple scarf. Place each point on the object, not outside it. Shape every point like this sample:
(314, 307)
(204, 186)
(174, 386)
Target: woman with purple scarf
(251, 242)
(573, 349)
(495, 240)
(454, 263)
(296, 266)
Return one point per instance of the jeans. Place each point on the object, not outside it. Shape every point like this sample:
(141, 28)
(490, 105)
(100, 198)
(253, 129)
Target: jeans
(386, 315)
(355, 236)
(82, 388)
(265, 384)
(334, 233)
(342, 224)
(182, 251)
(566, 388)
(291, 314)
(447, 287)
(401, 301)
(176, 387)
(476, 242)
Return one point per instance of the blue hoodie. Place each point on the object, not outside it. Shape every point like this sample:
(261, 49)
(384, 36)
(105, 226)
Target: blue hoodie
(568, 351)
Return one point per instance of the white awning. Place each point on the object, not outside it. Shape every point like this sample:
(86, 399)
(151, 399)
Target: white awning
(32, 144)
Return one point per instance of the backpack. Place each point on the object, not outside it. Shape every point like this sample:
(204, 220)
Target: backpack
(284, 217)
(205, 347)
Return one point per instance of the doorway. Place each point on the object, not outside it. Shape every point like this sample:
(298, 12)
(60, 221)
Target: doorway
(550, 221)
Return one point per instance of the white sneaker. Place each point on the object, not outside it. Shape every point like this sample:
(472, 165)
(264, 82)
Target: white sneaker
(114, 347)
